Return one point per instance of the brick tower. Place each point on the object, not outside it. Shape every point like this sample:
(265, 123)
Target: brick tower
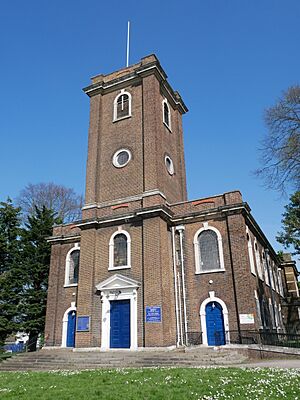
(134, 110)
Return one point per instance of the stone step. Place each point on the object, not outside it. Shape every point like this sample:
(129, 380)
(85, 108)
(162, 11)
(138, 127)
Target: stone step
(68, 359)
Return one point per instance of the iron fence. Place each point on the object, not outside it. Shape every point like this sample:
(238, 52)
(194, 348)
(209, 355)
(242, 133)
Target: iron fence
(251, 337)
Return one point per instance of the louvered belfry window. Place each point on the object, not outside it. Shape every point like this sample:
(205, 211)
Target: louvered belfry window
(120, 250)
(74, 266)
(123, 106)
(209, 251)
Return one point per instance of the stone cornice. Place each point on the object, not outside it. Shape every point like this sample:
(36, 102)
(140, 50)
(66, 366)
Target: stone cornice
(134, 74)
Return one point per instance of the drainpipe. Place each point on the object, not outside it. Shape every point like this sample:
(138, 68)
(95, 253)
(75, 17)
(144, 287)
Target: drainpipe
(180, 229)
(233, 275)
(175, 286)
(180, 309)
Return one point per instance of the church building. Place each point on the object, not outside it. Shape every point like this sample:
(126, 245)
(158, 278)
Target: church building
(146, 267)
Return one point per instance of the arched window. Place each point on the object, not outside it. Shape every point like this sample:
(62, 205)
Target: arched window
(122, 105)
(119, 250)
(250, 251)
(72, 266)
(166, 114)
(257, 259)
(265, 268)
(208, 250)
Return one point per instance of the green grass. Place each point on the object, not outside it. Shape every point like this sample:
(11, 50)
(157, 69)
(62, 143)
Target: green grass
(153, 383)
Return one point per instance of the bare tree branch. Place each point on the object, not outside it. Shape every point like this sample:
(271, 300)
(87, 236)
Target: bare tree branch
(280, 152)
(63, 201)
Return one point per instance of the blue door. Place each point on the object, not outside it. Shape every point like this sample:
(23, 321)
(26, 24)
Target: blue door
(71, 329)
(120, 324)
(215, 324)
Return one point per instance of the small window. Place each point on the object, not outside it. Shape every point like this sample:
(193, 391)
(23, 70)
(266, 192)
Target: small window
(166, 114)
(208, 250)
(122, 105)
(169, 165)
(119, 250)
(121, 158)
(72, 267)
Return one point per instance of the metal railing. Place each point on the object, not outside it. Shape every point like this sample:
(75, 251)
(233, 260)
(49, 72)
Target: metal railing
(252, 337)
(265, 338)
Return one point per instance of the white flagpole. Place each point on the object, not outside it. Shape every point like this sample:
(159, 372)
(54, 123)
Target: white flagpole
(127, 53)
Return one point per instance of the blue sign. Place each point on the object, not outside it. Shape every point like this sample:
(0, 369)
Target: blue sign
(83, 324)
(153, 314)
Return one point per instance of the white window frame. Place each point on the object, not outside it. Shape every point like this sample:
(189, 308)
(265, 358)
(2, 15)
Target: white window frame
(281, 292)
(258, 261)
(168, 125)
(111, 251)
(250, 252)
(197, 250)
(265, 267)
(171, 169)
(258, 310)
(280, 317)
(115, 158)
(115, 116)
(275, 270)
(67, 266)
(271, 310)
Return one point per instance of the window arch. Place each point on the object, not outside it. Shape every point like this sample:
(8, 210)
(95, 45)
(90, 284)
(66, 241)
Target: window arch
(208, 250)
(122, 105)
(120, 250)
(72, 266)
(166, 113)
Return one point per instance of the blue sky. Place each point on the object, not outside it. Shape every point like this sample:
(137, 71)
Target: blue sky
(229, 59)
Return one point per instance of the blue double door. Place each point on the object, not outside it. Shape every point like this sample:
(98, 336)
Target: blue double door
(215, 324)
(120, 324)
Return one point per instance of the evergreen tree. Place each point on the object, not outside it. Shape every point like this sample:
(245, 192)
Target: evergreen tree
(36, 261)
(291, 224)
(10, 268)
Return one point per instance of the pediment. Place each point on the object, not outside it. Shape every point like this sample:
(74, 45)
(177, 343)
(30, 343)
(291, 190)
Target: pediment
(117, 281)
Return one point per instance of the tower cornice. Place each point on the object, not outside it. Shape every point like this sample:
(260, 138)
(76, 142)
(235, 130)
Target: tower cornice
(102, 84)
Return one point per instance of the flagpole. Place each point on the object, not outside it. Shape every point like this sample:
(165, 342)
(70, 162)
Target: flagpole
(127, 52)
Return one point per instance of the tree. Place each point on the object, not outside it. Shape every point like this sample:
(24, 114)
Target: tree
(65, 203)
(10, 269)
(290, 236)
(281, 147)
(35, 264)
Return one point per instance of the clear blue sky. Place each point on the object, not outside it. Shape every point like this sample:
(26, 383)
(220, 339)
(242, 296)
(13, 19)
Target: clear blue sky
(229, 59)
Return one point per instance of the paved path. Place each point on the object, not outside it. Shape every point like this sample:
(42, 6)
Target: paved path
(289, 363)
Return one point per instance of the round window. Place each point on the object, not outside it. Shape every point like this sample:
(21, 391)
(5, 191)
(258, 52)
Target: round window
(169, 165)
(121, 158)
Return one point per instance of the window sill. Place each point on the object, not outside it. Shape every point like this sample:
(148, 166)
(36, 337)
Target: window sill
(209, 272)
(122, 267)
(71, 285)
(121, 118)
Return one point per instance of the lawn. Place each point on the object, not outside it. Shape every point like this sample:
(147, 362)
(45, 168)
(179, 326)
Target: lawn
(153, 383)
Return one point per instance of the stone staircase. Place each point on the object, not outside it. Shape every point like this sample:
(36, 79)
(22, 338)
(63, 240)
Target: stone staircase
(67, 359)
